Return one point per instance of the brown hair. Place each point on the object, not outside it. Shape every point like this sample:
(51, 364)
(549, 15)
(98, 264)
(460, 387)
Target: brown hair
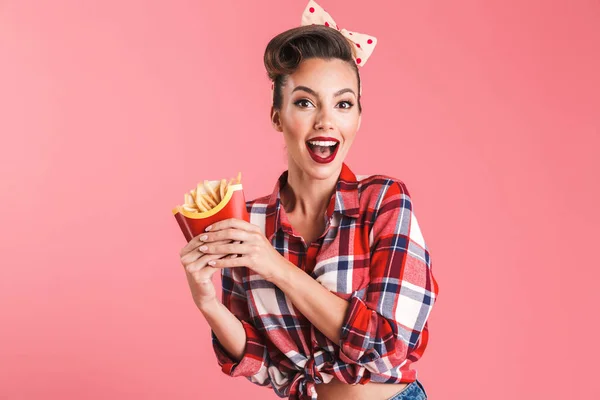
(287, 50)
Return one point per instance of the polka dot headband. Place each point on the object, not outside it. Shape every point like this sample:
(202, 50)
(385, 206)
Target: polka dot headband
(363, 44)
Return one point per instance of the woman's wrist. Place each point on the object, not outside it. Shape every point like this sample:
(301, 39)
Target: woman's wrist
(206, 306)
(282, 273)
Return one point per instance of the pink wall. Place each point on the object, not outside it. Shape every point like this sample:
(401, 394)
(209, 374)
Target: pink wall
(109, 111)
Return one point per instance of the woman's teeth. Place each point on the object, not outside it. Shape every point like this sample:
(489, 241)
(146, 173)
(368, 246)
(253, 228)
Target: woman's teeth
(318, 143)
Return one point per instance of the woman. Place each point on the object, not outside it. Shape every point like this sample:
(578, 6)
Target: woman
(330, 283)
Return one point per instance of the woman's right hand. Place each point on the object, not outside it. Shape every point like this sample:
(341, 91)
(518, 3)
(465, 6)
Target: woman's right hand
(198, 272)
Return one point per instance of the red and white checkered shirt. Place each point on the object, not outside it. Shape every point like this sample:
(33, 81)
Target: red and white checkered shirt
(373, 255)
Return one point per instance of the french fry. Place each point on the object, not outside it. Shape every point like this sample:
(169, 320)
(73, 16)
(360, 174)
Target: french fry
(211, 192)
(223, 188)
(200, 192)
(189, 208)
(239, 177)
(209, 200)
(189, 204)
(200, 202)
(202, 207)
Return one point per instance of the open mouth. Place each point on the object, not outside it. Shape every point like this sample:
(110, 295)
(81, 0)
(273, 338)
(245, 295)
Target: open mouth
(323, 150)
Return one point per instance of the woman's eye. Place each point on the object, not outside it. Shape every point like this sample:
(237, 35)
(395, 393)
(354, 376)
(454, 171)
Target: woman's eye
(303, 101)
(348, 103)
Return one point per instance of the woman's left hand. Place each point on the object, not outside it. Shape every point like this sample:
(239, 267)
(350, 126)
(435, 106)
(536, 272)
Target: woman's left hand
(255, 250)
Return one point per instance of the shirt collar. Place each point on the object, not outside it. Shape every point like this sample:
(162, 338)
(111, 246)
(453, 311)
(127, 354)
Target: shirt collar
(344, 200)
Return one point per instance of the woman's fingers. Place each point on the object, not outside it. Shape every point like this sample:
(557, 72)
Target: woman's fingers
(230, 248)
(229, 234)
(236, 224)
(202, 262)
(194, 253)
(234, 255)
(191, 253)
(191, 245)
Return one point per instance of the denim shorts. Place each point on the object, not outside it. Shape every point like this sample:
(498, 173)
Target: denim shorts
(413, 391)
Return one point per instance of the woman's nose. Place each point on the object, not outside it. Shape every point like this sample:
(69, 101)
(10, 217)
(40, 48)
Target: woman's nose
(324, 121)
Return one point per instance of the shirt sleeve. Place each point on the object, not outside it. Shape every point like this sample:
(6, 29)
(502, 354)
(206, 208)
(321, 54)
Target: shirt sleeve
(380, 332)
(255, 360)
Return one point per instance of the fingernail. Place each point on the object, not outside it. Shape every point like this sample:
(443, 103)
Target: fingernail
(203, 248)
(212, 262)
(203, 237)
(208, 228)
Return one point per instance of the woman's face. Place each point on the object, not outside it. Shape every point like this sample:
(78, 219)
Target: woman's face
(319, 101)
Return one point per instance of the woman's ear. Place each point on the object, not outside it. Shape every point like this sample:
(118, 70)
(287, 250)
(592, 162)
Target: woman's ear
(276, 119)
(359, 119)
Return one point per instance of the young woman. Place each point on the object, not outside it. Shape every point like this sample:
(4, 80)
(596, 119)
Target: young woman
(331, 285)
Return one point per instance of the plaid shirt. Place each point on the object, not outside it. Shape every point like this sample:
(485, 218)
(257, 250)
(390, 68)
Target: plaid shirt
(373, 255)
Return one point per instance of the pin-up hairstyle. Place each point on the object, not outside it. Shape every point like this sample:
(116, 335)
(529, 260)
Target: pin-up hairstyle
(287, 50)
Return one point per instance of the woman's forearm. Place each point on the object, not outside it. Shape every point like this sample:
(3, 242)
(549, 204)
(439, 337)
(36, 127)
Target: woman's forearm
(227, 328)
(324, 310)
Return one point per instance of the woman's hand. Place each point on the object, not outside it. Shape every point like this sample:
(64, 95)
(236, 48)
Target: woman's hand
(255, 251)
(198, 273)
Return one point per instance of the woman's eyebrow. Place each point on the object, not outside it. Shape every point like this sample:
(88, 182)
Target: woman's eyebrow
(309, 90)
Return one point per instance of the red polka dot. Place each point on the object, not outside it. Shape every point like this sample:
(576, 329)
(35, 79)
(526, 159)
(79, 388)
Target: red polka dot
(358, 45)
(271, 86)
(326, 23)
(337, 27)
(350, 33)
(369, 41)
(358, 60)
(312, 9)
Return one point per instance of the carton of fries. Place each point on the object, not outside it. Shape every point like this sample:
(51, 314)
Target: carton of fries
(209, 202)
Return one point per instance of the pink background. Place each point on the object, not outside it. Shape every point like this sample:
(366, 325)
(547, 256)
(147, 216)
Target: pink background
(111, 110)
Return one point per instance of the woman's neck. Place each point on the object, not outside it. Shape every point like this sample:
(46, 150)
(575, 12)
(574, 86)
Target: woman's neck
(305, 196)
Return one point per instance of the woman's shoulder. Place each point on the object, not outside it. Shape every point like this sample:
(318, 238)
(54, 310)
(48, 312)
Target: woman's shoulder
(378, 185)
